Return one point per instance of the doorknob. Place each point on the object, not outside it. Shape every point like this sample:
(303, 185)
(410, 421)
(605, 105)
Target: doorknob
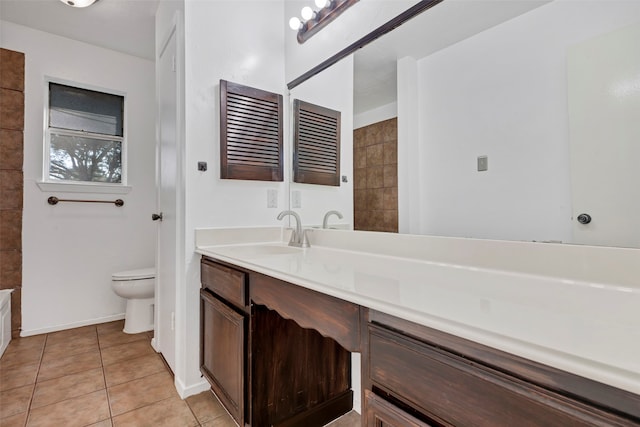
(156, 217)
(584, 218)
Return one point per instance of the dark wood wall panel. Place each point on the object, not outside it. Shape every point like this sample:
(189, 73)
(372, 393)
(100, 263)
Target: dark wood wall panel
(251, 138)
(316, 144)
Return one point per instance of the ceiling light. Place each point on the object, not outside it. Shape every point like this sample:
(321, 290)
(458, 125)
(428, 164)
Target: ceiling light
(78, 3)
(322, 3)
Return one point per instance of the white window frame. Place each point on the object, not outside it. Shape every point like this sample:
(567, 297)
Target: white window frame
(48, 184)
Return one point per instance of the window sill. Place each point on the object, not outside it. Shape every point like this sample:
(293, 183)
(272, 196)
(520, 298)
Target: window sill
(68, 187)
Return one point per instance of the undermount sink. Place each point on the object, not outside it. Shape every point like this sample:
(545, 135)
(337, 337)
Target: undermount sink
(258, 250)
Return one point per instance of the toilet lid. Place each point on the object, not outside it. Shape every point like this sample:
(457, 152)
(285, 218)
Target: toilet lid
(142, 273)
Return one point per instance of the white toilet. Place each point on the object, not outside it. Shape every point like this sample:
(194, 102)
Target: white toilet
(138, 287)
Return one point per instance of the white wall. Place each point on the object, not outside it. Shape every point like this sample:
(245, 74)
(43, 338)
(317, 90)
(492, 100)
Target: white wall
(503, 93)
(333, 88)
(71, 250)
(240, 42)
(379, 114)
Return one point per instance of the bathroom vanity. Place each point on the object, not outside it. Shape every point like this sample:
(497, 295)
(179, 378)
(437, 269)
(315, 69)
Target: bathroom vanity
(442, 344)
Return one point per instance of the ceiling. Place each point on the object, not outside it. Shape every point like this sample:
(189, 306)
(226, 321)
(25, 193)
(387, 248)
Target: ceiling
(126, 26)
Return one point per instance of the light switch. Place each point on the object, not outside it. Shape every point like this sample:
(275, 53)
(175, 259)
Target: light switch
(483, 163)
(296, 199)
(272, 198)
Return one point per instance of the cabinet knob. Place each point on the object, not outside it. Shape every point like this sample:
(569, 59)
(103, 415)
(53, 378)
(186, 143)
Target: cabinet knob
(156, 217)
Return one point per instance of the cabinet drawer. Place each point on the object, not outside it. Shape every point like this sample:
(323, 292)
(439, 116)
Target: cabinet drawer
(224, 281)
(448, 387)
(381, 413)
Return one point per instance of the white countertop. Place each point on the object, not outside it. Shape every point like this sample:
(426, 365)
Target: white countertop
(590, 328)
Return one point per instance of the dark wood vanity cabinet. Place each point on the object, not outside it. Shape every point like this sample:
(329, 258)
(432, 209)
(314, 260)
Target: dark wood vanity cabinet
(267, 369)
(278, 354)
(224, 329)
(417, 376)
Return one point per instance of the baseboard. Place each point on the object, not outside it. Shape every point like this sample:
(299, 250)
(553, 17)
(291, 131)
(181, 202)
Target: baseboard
(357, 404)
(186, 391)
(30, 332)
(154, 344)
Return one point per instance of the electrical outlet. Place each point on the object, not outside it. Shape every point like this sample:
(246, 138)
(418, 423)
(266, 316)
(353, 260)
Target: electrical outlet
(296, 199)
(272, 198)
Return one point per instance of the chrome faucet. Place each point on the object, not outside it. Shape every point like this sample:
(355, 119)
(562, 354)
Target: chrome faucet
(325, 221)
(298, 236)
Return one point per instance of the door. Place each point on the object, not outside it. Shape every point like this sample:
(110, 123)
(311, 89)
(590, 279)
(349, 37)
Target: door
(604, 120)
(222, 352)
(167, 253)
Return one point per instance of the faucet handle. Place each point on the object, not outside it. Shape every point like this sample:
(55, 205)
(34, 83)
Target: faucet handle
(293, 241)
(305, 240)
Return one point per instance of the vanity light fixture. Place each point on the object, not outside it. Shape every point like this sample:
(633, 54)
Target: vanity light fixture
(312, 21)
(78, 3)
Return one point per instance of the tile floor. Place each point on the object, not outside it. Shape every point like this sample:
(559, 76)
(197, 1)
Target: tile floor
(99, 376)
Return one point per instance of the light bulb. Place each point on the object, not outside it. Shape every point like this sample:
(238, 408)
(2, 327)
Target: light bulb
(295, 23)
(307, 13)
(79, 3)
(322, 3)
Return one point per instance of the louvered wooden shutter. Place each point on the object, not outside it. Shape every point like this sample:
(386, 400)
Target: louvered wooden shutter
(250, 133)
(316, 152)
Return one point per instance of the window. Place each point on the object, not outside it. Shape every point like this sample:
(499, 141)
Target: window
(84, 136)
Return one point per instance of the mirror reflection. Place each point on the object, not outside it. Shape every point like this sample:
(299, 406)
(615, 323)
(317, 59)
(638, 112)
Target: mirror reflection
(514, 121)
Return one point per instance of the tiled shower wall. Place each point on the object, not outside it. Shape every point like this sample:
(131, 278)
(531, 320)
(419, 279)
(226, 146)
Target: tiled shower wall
(375, 164)
(11, 181)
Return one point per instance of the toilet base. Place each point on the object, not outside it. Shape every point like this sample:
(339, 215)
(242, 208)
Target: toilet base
(138, 316)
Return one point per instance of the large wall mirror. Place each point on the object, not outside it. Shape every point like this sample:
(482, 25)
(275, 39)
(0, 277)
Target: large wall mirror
(514, 118)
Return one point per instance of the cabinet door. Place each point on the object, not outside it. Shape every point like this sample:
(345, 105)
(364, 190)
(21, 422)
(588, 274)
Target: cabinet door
(381, 413)
(222, 352)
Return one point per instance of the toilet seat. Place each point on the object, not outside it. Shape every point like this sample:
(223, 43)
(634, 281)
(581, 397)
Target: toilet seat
(139, 274)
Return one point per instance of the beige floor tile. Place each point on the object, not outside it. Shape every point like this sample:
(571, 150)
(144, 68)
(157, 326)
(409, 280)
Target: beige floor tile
(55, 365)
(205, 406)
(111, 338)
(105, 423)
(141, 392)
(117, 325)
(15, 401)
(72, 345)
(350, 419)
(222, 421)
(69, 386)
(172, 412)
(71, 334)
(78, 411)
(17, 420)
(17, 376)
(35, 341)
(131, 369)
(127, 351)
(18, 355)
(23, 344)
